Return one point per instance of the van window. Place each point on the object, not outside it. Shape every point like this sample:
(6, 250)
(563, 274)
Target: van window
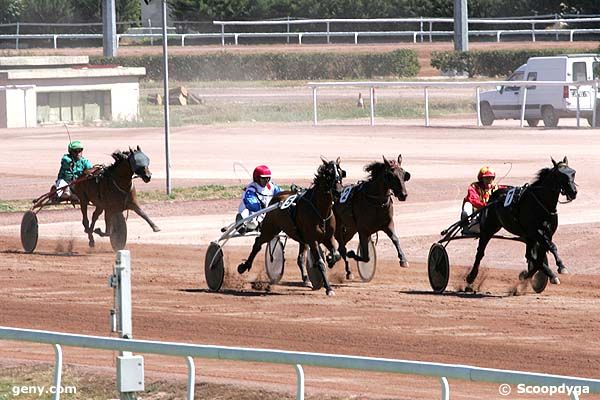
(579, 72)
(516, 76)
(596, 69)
(532, 76)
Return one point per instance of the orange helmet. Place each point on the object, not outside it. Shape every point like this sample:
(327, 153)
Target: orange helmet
(485, 172)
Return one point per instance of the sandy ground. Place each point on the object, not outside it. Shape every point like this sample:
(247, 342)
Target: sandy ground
(63, 285)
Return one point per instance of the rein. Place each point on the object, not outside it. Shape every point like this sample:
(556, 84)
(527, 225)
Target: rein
(314, 208)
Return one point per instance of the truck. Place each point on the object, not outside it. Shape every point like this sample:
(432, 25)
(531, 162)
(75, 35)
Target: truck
(546, 103)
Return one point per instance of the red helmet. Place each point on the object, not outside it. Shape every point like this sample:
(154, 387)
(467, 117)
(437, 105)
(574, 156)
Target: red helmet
(486, 172)
(262, 171)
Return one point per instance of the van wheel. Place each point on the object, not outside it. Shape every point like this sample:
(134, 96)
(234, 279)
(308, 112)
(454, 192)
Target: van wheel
(533, 122)
(549, 116)
(486, 114)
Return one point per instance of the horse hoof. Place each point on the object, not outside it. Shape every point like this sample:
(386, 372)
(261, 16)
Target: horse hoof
(92, 243)
(522, 275)
(469, 289)
(97, 231)
(349, 276)
(404, 264)
(308, 284)
(555, 281)
(351, 254)
(156, 229)
(243, 268)
(330, 293)
(563, 270)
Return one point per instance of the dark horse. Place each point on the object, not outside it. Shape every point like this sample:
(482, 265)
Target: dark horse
(310, 221)
(369, 209)
(533, 218)
(113, 191)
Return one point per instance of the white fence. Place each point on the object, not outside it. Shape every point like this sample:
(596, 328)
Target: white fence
(425, 30)
(448, 85)
(297, 359)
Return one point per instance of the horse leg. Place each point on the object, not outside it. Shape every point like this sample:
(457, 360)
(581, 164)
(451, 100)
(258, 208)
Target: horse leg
(334, 254)
(483, 242)
(258, 242)
(86, 222)
(95, 216)
(133, 205)
(344, 255)
(544, 238)
(314, 248)
(535, 254)
(301, 261)
(389, 230)
(364, 248)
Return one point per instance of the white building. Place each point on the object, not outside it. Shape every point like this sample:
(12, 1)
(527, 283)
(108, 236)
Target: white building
(48, 90)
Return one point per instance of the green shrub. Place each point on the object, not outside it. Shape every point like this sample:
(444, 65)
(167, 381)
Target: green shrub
(488, 63)
(270, 66)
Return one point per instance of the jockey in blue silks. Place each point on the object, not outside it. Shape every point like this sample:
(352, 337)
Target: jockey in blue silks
(257, 196)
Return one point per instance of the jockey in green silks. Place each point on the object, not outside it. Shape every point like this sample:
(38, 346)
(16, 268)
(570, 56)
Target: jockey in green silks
(72, 166)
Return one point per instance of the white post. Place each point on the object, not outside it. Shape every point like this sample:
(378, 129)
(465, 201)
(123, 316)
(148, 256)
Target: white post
(166, 96)
(300, 382)
(524, 104)
(191, 378)
(314, 106)
(578, 106)
(477, 106)
(595, 105)
(445, 388)
(57, 371)
(372, 101)
(123, 294)
(426, 91)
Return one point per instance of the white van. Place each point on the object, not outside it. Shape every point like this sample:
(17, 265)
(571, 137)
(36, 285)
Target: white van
(547, 103)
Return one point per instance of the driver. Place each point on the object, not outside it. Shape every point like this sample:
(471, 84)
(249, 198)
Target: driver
(478, 195)
(72, 166)
(257, 196)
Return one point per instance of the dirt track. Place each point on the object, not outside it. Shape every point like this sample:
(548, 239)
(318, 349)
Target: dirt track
(63, 285)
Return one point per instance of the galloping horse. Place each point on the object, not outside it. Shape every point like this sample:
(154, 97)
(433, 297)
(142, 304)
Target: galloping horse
(532, 217)
(369, 209)
(113, 191)
(310, 221)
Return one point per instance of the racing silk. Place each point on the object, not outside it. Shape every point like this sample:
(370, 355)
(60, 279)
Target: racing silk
(257, 197)
(70, 169)
(478, 196)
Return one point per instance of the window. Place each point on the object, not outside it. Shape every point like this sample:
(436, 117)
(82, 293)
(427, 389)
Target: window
(532, 76)
(579, 72)
(517, 76)
(596, 69)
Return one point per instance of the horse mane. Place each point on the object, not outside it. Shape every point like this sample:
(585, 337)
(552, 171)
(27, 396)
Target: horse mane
(323, 175)
(118, 156)
(375, 170)
(542, 174)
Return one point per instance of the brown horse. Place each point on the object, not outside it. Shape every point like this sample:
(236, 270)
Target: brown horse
(113, 191)
(369, 209)
(309, 221)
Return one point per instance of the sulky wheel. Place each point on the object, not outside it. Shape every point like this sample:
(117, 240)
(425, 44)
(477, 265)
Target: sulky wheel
(274, 260)
(438, 268)
(539, 280)
(118, 231)
(29, 231)
(214, 268)
(314, 274)
(366, 270)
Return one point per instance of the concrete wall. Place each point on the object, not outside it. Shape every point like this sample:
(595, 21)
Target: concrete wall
(20, 108)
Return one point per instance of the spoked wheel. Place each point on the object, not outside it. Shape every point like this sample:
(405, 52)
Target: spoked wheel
(214, 268)
(118, 231)
(314, 274)
(539, 280)
(366, 270)
(274, 260)
(438, 268)
(29, 231)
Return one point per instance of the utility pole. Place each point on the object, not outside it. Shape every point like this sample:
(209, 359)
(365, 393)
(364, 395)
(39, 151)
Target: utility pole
(109, 28)
(461, 26)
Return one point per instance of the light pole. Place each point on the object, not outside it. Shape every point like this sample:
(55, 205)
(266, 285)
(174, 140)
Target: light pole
(166, 96)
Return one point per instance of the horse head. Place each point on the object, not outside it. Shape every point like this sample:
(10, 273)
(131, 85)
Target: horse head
(565, 177)
(330, 175)
(139, 162)
(396, 177)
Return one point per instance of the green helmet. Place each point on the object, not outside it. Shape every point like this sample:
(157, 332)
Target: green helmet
(76, 145)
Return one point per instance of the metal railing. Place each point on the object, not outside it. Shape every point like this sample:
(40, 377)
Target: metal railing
(297, 359)
(477, 85)
(425, 30)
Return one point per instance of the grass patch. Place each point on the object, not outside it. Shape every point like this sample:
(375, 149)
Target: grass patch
(250, 110)
(14, 206)
(203, 192)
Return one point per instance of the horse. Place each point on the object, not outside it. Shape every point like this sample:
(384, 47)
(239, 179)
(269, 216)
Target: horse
(112, 191)
(533, 218)
(311, 221)
(369, 209)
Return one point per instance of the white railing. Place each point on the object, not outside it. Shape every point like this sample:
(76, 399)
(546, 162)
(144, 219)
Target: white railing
(425, 30)
(297, 359)
(477, 85)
